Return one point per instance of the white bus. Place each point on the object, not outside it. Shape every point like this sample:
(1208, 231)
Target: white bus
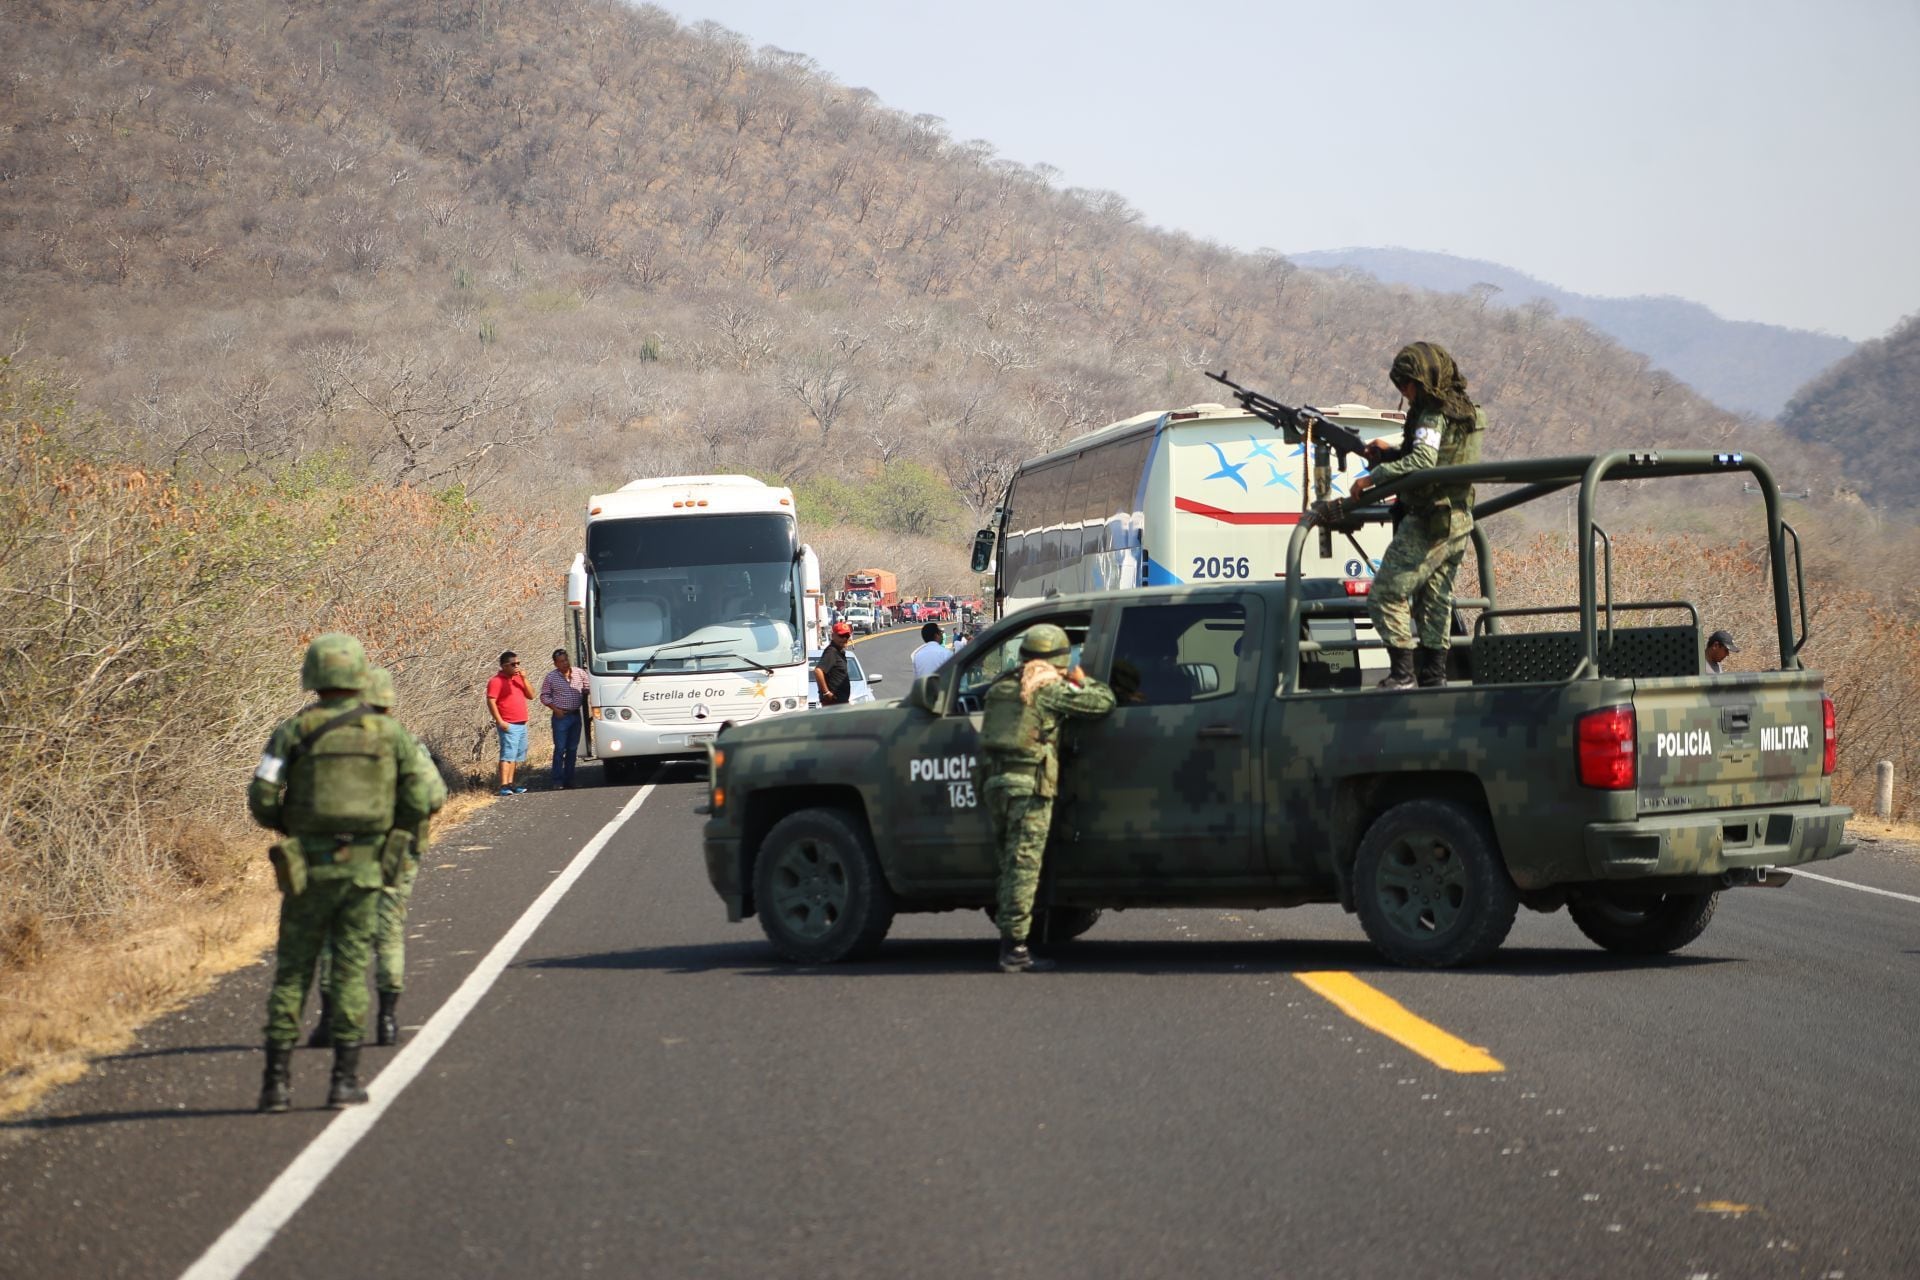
(694, 603)
(1200, 494)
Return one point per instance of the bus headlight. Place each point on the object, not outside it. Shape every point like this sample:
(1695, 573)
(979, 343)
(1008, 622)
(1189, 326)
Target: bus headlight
(774, 705)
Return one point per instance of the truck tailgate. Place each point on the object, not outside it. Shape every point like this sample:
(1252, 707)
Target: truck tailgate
(1728, 742)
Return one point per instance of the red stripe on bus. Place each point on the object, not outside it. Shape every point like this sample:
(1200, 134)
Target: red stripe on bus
(1235, 517)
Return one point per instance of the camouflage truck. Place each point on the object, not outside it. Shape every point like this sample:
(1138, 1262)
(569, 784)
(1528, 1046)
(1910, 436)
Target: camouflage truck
(1579, 756)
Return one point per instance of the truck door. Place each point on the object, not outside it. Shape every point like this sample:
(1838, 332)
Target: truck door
(941, 815)
(1164, 788)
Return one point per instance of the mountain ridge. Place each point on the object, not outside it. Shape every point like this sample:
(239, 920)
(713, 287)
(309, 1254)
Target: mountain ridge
(1743, 365)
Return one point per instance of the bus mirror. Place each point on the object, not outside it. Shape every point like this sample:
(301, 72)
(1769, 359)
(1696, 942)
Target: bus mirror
(577, 583)
(925, 694)
(982, 550)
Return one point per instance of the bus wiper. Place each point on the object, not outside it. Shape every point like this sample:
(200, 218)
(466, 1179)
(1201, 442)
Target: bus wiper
(684, 644)
(752, 662)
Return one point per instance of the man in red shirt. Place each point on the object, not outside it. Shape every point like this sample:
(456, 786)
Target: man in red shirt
(507, 697)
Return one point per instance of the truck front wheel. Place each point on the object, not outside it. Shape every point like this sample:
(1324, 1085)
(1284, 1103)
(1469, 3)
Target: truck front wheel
(1650, 926)
(1430, 887)
(818, 888)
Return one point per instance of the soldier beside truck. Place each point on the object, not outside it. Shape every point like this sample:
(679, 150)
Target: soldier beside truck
(1573, 756)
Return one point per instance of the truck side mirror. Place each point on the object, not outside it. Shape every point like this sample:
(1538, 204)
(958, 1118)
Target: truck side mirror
(983, 550)
(925, 694)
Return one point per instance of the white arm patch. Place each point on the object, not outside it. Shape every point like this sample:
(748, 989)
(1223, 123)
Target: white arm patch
(1427, 436)
(270, 767)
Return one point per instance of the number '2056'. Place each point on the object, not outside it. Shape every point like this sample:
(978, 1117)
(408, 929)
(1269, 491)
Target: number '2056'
(1221, 567)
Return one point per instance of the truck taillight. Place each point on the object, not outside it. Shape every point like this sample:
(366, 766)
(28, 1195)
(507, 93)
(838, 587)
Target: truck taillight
(1609, 749)
(1830, 735)
(1358, 586)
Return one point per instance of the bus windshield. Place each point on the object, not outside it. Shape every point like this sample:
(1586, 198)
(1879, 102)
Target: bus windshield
(678, 594)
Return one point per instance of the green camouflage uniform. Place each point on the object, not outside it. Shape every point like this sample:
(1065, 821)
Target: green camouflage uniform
(1411, 600)
(1022, 768)
(390, 926)
(376, 764)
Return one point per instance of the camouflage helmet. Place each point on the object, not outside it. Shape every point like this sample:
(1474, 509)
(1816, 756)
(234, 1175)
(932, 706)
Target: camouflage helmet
(1048, 642)
(334, 661)
(379, 689)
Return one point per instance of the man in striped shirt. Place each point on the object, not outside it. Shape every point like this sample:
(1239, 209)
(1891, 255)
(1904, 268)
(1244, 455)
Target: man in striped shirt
(564, 692)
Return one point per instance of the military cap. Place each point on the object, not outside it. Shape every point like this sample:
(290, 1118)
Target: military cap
(334, 660)
(1046, 641)
(379, 690)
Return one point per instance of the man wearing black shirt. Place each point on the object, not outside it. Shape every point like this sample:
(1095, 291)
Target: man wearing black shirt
(831, 671)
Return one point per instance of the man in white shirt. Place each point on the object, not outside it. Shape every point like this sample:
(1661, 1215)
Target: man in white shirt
(932, 655)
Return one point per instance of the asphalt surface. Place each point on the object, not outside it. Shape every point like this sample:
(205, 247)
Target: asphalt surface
(645, 1090)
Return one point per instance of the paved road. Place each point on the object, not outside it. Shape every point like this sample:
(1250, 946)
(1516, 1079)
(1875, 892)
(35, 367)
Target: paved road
(645, 1091)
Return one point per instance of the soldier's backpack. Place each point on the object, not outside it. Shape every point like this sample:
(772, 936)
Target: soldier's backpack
(342, 778)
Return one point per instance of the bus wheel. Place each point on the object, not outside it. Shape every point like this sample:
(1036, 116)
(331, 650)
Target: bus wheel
(1430, 887)
(1650, 926)
(818, 888)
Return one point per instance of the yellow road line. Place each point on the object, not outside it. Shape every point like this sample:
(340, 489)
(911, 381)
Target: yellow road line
(1376, 1010)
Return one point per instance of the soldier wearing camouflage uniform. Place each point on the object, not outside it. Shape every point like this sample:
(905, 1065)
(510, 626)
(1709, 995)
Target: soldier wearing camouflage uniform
(390, 929)
(1024, 711)
(1411, 601)
(336, 780)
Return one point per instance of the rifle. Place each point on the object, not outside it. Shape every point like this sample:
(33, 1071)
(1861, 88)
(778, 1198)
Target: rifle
(1306, 424)
(1295, 424)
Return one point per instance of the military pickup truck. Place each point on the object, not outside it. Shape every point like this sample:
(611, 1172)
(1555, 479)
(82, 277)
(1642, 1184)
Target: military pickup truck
(1579, 756)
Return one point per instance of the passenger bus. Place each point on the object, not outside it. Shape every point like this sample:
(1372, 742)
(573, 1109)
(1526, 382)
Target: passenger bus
(1200, 494)
(694, 603)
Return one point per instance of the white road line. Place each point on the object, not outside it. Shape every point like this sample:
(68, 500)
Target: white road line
(1848, 884)
(247, 1238)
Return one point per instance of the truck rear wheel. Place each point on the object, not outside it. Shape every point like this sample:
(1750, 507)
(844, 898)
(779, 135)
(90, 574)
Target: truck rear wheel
(818, 889)
(1430, 887)
(1650, 926)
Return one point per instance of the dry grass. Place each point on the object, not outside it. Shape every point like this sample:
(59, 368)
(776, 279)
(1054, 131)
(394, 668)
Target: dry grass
(1889, 835)
(72, 997)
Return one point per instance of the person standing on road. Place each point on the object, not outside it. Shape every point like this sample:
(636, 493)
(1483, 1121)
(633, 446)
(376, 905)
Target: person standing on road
(931, 655)
(507, 697)
(1411, 601)
(390, 922)
(345, 786)
(830, 673)
(1719, 645)
(564, 692)
(1021, 767)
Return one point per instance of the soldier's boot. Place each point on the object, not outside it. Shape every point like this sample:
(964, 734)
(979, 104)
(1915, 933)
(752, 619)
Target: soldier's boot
(323, 1034)
(1016, 957)
(387, 1027)
(1401, 676)
(276, 1089)
(1430, 669)
(345, 1090)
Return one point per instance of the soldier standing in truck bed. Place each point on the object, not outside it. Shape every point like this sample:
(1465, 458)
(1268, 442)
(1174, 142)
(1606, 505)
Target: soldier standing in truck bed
(1411, 600)
(1019, 745)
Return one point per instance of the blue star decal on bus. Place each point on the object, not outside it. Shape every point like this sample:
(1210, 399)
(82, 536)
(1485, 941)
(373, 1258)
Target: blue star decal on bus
(1228, 470)
(1260, 449)
(1277, 478)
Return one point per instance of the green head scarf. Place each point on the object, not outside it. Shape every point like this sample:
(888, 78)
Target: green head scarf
(1432, 370)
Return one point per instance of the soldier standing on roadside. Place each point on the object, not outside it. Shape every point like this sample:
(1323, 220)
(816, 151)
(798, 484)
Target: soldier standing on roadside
(346, 786)
(1024, 710)
(1411, 601)
(390, 928)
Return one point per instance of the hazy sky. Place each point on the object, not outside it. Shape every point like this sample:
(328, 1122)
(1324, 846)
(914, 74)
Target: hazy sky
(1759, 156)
